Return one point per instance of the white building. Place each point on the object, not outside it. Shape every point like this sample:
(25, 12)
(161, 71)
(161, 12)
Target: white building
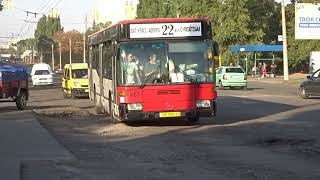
(115, 11)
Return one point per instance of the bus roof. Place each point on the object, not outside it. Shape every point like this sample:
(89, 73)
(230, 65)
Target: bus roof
(155, 20)
(159, 20)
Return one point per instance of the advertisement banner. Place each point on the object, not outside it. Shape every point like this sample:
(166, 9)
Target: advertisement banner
(307, 21)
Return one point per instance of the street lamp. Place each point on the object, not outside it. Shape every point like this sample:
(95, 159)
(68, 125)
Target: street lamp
(176, 5)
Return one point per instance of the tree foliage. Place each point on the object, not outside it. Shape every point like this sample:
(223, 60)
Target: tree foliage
(97, 27)
(46, 27)
(1, 6)
(76, 46)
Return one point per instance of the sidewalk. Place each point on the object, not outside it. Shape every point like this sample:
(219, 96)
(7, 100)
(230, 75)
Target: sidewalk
(293, 79)
(22, 139)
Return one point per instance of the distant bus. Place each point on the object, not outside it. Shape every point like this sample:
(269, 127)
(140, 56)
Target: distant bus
(154, 69)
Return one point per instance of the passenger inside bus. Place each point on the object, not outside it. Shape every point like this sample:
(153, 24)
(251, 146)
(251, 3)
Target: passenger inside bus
(174, 76)
(152, 69)
(132, 70)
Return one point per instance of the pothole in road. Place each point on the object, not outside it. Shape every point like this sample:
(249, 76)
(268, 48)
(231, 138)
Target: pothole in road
(62, 112)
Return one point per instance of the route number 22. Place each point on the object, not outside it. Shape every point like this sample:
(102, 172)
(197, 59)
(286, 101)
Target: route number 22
(167, 30)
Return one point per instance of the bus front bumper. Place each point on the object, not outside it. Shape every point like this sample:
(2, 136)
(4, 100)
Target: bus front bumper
(139, 116)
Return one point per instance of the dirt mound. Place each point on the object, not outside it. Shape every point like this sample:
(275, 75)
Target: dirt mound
(61, 112)
(298, 76)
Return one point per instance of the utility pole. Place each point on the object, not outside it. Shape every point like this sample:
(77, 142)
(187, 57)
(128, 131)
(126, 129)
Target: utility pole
(285, 49)
(84, 40)
(41, 60)
(60, 55)
(52, 56)
(70, 51)
(32, 52)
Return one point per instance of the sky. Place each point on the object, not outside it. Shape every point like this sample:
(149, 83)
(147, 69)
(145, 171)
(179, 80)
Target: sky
(72, 13)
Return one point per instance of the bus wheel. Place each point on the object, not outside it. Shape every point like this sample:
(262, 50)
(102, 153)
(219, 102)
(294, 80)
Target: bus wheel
(21, 101)
(112, 118)
(97, 107)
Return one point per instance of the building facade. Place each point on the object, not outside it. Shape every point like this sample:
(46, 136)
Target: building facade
(115, 11)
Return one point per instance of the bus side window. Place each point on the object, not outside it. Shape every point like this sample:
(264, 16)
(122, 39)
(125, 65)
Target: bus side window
(107, 60)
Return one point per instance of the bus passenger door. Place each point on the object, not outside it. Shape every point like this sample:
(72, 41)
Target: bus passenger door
(114, 92)
(100, 78)
(90, 74)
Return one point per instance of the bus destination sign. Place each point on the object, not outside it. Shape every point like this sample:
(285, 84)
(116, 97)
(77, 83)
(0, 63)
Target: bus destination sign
(164, 30)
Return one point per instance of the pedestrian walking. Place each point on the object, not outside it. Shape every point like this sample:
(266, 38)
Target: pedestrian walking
(264, 70)
(273, 69)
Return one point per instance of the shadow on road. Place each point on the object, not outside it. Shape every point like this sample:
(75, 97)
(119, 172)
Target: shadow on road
(230, 110)
(271, 149)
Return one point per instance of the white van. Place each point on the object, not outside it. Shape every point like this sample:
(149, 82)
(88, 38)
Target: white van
(41, 74)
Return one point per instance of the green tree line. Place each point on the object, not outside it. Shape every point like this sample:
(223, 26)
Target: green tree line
(239, 22)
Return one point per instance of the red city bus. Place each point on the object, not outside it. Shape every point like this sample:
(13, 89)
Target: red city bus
(154, 68)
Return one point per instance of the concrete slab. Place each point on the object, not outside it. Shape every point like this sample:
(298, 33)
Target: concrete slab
(22, 138)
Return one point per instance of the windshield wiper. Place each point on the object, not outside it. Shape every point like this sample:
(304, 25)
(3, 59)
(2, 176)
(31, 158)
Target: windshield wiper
(143, 84)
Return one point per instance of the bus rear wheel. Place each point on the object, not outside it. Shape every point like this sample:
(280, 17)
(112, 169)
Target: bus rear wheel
(112, 118)
(97, 107)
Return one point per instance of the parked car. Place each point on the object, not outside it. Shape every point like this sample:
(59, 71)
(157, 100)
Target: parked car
(231, 76)
(311, 85)
(75, 82)
(41, 74)
(14, 86)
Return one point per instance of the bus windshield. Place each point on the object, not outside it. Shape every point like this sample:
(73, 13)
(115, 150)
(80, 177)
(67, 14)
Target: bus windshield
(155, 63)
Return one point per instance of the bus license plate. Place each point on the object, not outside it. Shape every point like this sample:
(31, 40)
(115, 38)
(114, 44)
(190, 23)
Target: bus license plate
(86, 90)
(170, 114)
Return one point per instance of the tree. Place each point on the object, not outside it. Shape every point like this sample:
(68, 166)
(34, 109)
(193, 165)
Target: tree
(98, 27)
(1, 6)
(76, 44)
(232, 26)
(9, 50)
(46, 28)
(265, 21)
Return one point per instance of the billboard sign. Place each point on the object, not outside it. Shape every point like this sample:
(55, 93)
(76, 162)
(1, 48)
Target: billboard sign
(165, 30)
(307, 21)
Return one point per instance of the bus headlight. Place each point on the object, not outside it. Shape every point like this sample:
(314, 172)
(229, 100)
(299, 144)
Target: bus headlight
(203, 103)
(135, 107)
